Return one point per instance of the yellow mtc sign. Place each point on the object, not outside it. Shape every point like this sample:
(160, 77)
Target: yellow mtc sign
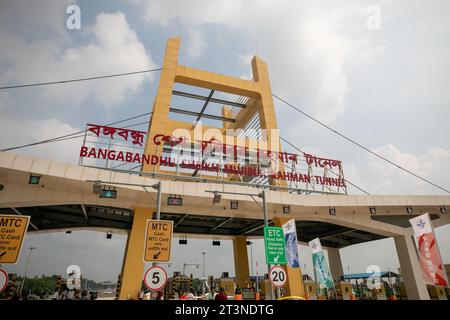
(12, 233)
(158, 240)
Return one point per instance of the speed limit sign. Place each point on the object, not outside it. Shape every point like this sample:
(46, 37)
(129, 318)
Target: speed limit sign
(278, 276)
(155, 278)
(3, 280)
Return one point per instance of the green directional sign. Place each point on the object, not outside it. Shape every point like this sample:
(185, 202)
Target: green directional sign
(274, 243)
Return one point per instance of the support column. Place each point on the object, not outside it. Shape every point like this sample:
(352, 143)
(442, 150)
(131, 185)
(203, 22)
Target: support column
(133, 262)
(415, 286)
(335, 262)
(241, 268)
(294, 285)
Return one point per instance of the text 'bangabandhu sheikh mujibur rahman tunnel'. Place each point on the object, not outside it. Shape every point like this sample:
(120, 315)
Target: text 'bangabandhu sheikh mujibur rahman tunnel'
(64, 199)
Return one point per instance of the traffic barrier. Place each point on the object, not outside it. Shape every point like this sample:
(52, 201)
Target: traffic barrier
(119, 285)
(11, 289)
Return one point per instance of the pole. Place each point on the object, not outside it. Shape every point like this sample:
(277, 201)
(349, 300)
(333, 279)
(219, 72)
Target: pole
(158, 201)
(266, 224)
(251, 256)
(26, 269)
(203, 271)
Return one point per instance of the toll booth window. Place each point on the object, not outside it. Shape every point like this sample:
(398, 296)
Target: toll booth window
(248, 294)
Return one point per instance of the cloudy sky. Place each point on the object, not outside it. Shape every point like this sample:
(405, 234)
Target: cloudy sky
(384, 84)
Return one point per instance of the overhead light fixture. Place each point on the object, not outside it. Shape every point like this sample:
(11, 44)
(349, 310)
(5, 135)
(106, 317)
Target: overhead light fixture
(174, 200)
(373, 210)
(332, 211)
(443, 210)
(34, 179)
(217, 197)
(409, 210)
(183, 240)
(108, 235)
(216, 242)
(286, 209)
(234, 204)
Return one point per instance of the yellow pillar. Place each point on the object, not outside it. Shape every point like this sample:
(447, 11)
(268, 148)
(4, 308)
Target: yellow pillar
(294, 285)
(133, 262)
(241, 261)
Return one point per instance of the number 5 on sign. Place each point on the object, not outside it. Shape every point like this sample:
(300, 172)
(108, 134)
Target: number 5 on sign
(155, 278)
(278, 276)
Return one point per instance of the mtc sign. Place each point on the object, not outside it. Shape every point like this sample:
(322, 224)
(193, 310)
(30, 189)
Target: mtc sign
(275, 246)
(12, 233)
(158, 240)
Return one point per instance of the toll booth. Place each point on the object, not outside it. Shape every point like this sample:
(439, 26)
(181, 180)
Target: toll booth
(344, 290)
(400, 290)
(265, 288)
(310, 290)
(178, 284)
(437, 292)
(248, 294)
(380, 293)
(227, 284)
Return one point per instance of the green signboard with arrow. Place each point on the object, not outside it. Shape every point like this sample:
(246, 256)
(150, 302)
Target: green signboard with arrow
(274, 244)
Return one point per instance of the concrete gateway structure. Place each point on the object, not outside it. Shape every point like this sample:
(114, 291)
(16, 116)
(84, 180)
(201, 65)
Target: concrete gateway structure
(64, 196)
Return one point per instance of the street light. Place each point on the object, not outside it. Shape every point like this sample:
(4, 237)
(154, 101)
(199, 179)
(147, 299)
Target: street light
(189, 265)
(26, 269)
(250, 243)
(203, 271)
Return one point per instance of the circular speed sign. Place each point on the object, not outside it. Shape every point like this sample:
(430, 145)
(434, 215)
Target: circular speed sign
(278, 276)
(155, 278)
(3, 280)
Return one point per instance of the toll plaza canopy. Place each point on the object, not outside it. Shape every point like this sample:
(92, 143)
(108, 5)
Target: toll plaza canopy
(382, 274)
(72, 216)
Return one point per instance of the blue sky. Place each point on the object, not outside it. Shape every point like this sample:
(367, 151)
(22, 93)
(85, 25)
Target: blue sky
(386, 87)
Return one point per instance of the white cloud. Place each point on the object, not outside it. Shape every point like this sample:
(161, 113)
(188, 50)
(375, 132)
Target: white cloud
(307, 44)
(190, 12)
(23, 131)
(113, 48)
(379, 177)
(196, 44)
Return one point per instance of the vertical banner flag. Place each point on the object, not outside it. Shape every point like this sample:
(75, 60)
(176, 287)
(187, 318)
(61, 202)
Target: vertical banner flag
(320, 264)
(291, 244)
(429, 256)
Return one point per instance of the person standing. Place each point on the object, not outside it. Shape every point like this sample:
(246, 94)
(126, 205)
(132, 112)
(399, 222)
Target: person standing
(221, 295)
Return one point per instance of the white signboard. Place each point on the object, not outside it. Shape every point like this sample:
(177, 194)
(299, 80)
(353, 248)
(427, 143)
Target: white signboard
(3, 280)
(155, 278)
(278, 276)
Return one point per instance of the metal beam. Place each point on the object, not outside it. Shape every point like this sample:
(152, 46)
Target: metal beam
(360, 236)
(84, 212)
(204, 107)
(338, 240)
(221, 224)
(20, 214)
(203, 98)
(193, 113)
(252, 228)
(335, 232)
(180, 220)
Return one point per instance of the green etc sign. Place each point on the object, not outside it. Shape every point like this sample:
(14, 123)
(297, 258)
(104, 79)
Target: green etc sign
(275, 246)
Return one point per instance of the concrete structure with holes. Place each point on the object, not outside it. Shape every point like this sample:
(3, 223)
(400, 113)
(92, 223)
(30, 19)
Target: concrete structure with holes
(64, 198)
